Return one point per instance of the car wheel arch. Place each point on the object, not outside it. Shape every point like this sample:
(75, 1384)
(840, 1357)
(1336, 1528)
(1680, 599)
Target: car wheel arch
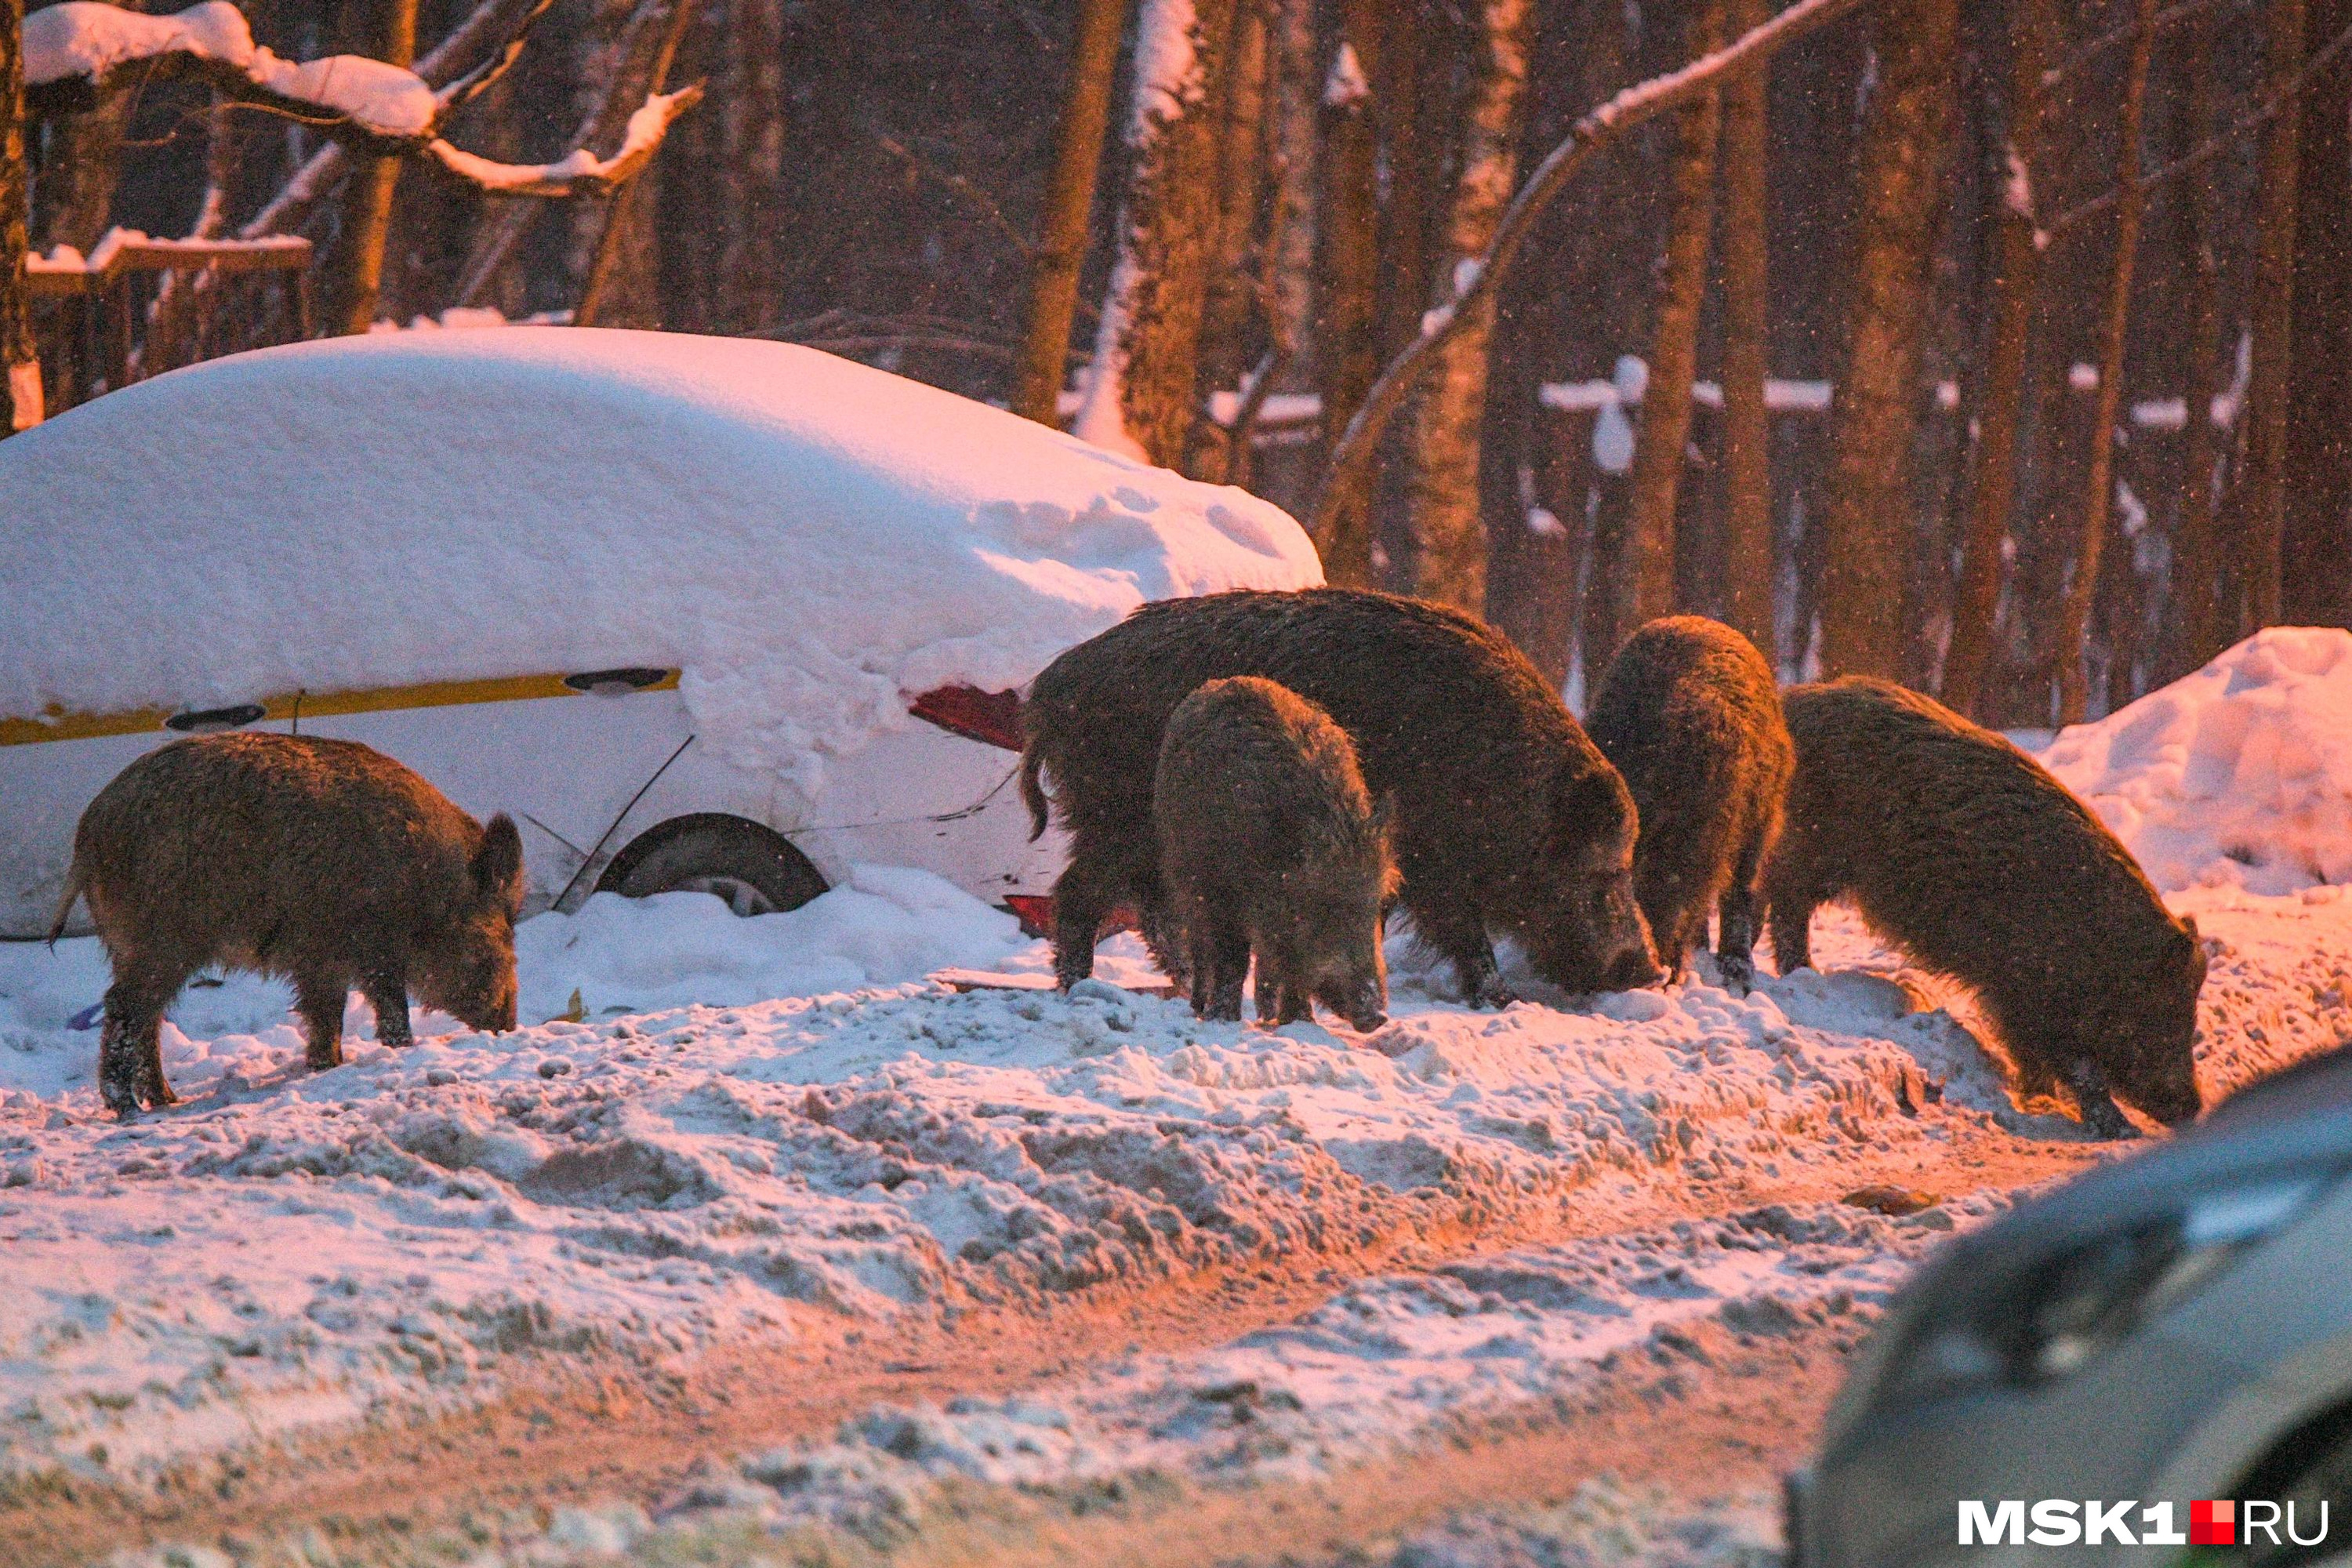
(705, 845)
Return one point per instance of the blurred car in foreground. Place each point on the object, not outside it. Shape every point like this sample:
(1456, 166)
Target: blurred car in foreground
(2151, 1365)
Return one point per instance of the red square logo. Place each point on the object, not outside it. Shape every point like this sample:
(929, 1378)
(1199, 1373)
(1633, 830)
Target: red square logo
(2214, 1523)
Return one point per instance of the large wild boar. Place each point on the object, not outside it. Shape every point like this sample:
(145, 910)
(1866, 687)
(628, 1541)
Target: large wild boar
(322, 861)
(1507, 818)
(1270, 845)
(1965, 854)
(1691, 715)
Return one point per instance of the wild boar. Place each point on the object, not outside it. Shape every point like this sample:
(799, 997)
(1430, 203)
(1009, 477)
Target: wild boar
(1963, 853)
(322, 861)
(1270, 845)
(1507, 818)
(1690, 714)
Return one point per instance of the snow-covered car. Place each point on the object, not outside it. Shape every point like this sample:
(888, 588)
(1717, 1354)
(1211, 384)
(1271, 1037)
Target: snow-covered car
(2156, 1357)
(699, 613)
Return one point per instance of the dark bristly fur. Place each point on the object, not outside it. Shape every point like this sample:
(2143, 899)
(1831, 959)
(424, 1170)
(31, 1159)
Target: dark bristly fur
(1507, 819)
(1270, 845)
(322, 861)
(1960, 851)
(1691, 715)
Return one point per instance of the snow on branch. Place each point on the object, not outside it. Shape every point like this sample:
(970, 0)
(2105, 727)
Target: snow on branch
(85, 44)
(581, 170)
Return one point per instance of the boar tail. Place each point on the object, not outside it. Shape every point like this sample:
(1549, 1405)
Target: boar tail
(1032, 791)
(74, 879)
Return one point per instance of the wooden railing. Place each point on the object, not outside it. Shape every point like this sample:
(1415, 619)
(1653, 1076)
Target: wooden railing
(136, 307)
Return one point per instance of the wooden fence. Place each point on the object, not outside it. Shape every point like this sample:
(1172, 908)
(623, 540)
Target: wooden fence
(136, 307)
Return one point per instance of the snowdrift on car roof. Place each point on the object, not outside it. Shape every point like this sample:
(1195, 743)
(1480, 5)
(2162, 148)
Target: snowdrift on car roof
(807, 539)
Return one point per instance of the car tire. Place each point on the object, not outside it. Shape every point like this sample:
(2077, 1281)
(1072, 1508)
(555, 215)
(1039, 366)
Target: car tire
(2314, 1466)
(754, 868)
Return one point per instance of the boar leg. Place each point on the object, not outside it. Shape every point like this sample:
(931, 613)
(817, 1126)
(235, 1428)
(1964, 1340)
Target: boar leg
(2098, 1107)
(320, 999)
(1080, 902)
(1736, 918)
(1461, 940)
(1277, 1001)
(1791, 922)
(130, 1047)
(1227, 967)
(388, 994)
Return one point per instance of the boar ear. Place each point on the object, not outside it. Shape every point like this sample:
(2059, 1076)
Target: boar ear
(1384, 816)
(497, 863)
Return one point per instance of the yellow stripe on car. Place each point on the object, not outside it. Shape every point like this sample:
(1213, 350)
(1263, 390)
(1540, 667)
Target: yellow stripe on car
(59, 724)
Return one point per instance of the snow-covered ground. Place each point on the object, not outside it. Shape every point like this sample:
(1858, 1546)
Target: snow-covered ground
(725, 1132)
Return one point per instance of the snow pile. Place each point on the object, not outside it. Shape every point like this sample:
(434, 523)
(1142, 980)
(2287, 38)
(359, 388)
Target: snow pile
(808, 539)
(287, 1249)
(84, 38)
(2238, 775)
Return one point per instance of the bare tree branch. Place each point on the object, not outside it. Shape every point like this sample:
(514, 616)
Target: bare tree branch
(1597, 129)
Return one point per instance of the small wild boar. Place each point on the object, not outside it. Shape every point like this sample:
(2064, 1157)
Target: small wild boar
(322, 861)
(1964, 852)
(1269, 844)
(1506, 819)
(1691, 715)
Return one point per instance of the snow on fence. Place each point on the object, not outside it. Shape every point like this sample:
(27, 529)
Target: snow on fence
(96, 319)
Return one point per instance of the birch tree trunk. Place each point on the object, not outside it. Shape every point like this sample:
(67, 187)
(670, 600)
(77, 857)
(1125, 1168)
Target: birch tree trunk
(1347, 245)
(1868, 523)
(1293, 87)
(1068, 212)
(1140, 386)
(24, 364)
(367, 214)
(1647, 582)
(2098, 499)
(1449, 532)
(2263, 519)
(2196, 560)
(2316, 553)
(1749, 563)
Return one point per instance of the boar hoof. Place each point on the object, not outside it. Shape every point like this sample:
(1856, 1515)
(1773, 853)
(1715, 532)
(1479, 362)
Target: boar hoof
(1738, 974)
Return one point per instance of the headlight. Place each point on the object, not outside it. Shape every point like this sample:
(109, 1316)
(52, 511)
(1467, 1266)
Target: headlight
(2041, 1317)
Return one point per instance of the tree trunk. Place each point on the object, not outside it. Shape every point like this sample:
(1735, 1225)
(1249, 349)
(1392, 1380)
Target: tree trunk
(1646, 583)
(2195, 561)
(752, 121)
(1068, 210)
(2098, 499)
(2315, 572)
(1875, 415)
(1449, 533)
(1140, 386)
(81, 164)
(367, 214)
(2264, 518)
(16, 349)
(1294, 86)
(1749, 563)
(2015, 272)
(619, 283)
(601, 123)
(1230, 293)
(1347, 271)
